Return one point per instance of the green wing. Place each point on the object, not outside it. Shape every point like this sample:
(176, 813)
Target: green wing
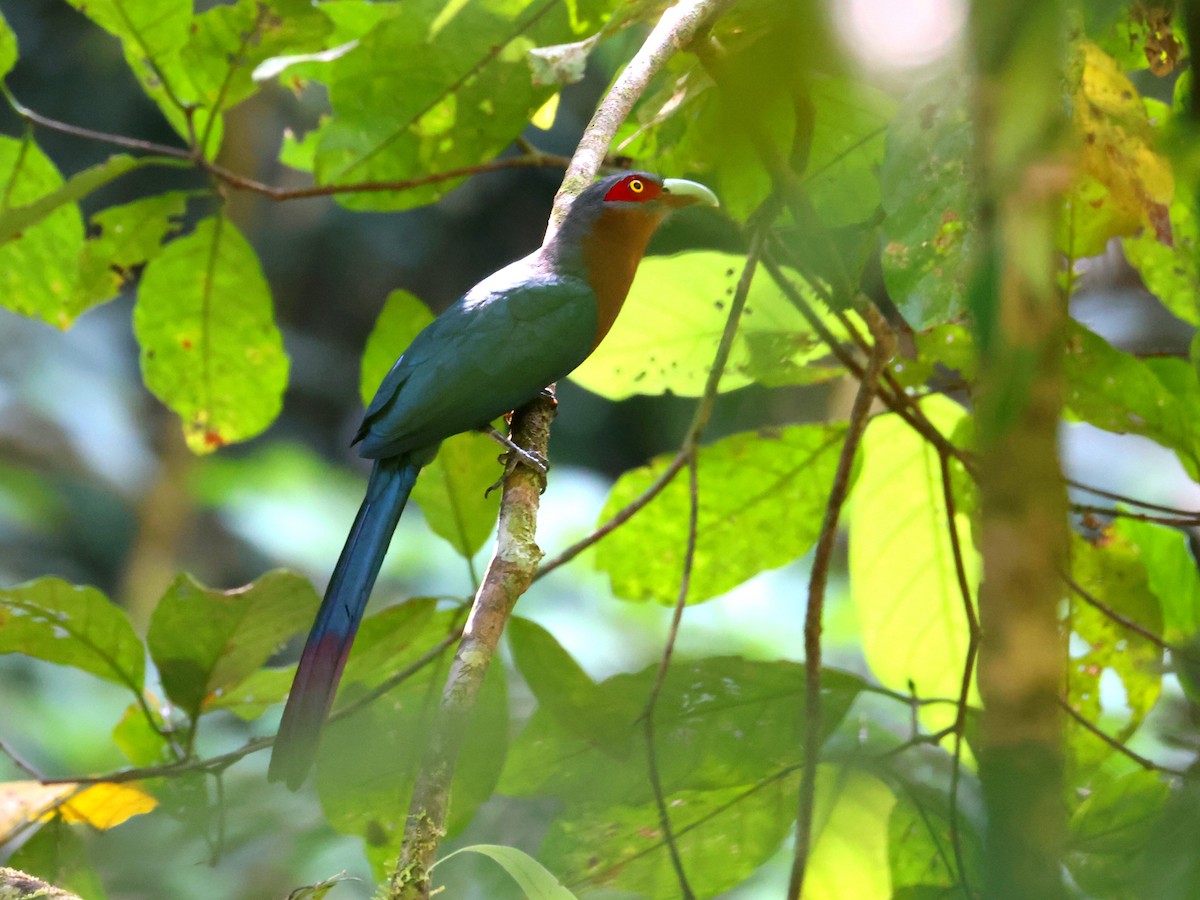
(492, 351)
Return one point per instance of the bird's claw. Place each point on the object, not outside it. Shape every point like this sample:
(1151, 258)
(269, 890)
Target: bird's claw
(519, 456)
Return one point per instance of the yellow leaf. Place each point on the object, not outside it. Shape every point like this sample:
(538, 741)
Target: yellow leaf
(1124, 185)
(102, 806)
(544, 117)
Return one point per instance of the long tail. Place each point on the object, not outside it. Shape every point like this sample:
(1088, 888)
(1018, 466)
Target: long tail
(337, 621)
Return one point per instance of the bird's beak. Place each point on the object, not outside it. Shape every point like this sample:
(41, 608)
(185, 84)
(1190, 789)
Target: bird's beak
(678, 192)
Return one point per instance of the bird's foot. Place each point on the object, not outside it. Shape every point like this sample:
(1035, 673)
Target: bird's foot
(516, 456)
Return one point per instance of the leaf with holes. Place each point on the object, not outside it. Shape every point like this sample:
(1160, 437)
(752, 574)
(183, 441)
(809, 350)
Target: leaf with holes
(210, 347)
(903, 579)
(55, 621)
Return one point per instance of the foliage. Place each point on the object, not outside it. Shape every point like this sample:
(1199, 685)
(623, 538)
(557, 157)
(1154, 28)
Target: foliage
(838, 190)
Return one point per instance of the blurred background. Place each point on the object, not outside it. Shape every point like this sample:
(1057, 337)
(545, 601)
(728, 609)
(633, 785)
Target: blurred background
(97, 487)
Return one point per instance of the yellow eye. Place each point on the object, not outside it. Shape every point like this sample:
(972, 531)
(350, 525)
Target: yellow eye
(637, 185)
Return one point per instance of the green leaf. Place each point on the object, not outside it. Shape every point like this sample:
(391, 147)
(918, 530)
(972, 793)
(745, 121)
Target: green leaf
(14, 220)
(368, 761)
(720, 722)
(920, 840)
(8, 48)
(666, 337)
(1113, 390)
(762, 497)
(228, 42)
(141, 744)
(468, 93)
(58, 855)
(903, 581)
(850, 856)
(722, 835)
(529, 874)
(58, 622)
(401, 319)
(207, 641)
(38, 269)
(1171, 573)
(152, 33)
(926, 185)
(1114, 575)
(1111, 828)
(1170, 271)
(386, 643)
(126, 236)
(451, 490)
(210, 347)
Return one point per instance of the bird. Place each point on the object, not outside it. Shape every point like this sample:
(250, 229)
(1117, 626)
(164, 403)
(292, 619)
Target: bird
(493, 350)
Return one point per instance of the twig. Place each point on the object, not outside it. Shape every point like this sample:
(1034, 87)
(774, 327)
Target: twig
(508, 576)
(1089, 509)
(19, 761)
(664, 664)
(974, 633)
(1148, 764)
(1122, 620)
(823, 556)
(1133, 501)
(676, 29)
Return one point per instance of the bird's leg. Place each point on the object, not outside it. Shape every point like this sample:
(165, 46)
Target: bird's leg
(516, 456)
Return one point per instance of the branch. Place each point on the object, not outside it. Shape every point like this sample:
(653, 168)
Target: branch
(677, 28)
(508, 576)
(859, 415)
(685, 580)
(16, 885)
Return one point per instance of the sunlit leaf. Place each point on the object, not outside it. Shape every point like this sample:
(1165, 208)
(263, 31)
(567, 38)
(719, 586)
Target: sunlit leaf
(39, 267)
(1113, 575)
(1170, 271)
(468, 93)
(850, 856)
(101, 806)
(926, 186)
(210, 347)
(142, 744)
(1171, 573)
(126, 237)
(206, 641)
(666, 337)
(903, 578)
(8, 48)
(1116, 391)
(761, 501)
(55, 621)
(1124, 185)
(529, 874)
(16, 220)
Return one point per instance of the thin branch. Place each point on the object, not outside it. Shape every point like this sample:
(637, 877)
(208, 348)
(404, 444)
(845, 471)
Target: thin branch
(1089, 509)
(700, 419)
(823, 556)
(1122, 620)
(1148, 764)
(677, 28)
(1133, 501)
(974, 633)
(19, 761)
(664, 663)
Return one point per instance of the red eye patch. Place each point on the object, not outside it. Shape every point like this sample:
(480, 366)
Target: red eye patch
(634, 189)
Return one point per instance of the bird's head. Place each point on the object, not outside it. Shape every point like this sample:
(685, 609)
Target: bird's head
(607, 228)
